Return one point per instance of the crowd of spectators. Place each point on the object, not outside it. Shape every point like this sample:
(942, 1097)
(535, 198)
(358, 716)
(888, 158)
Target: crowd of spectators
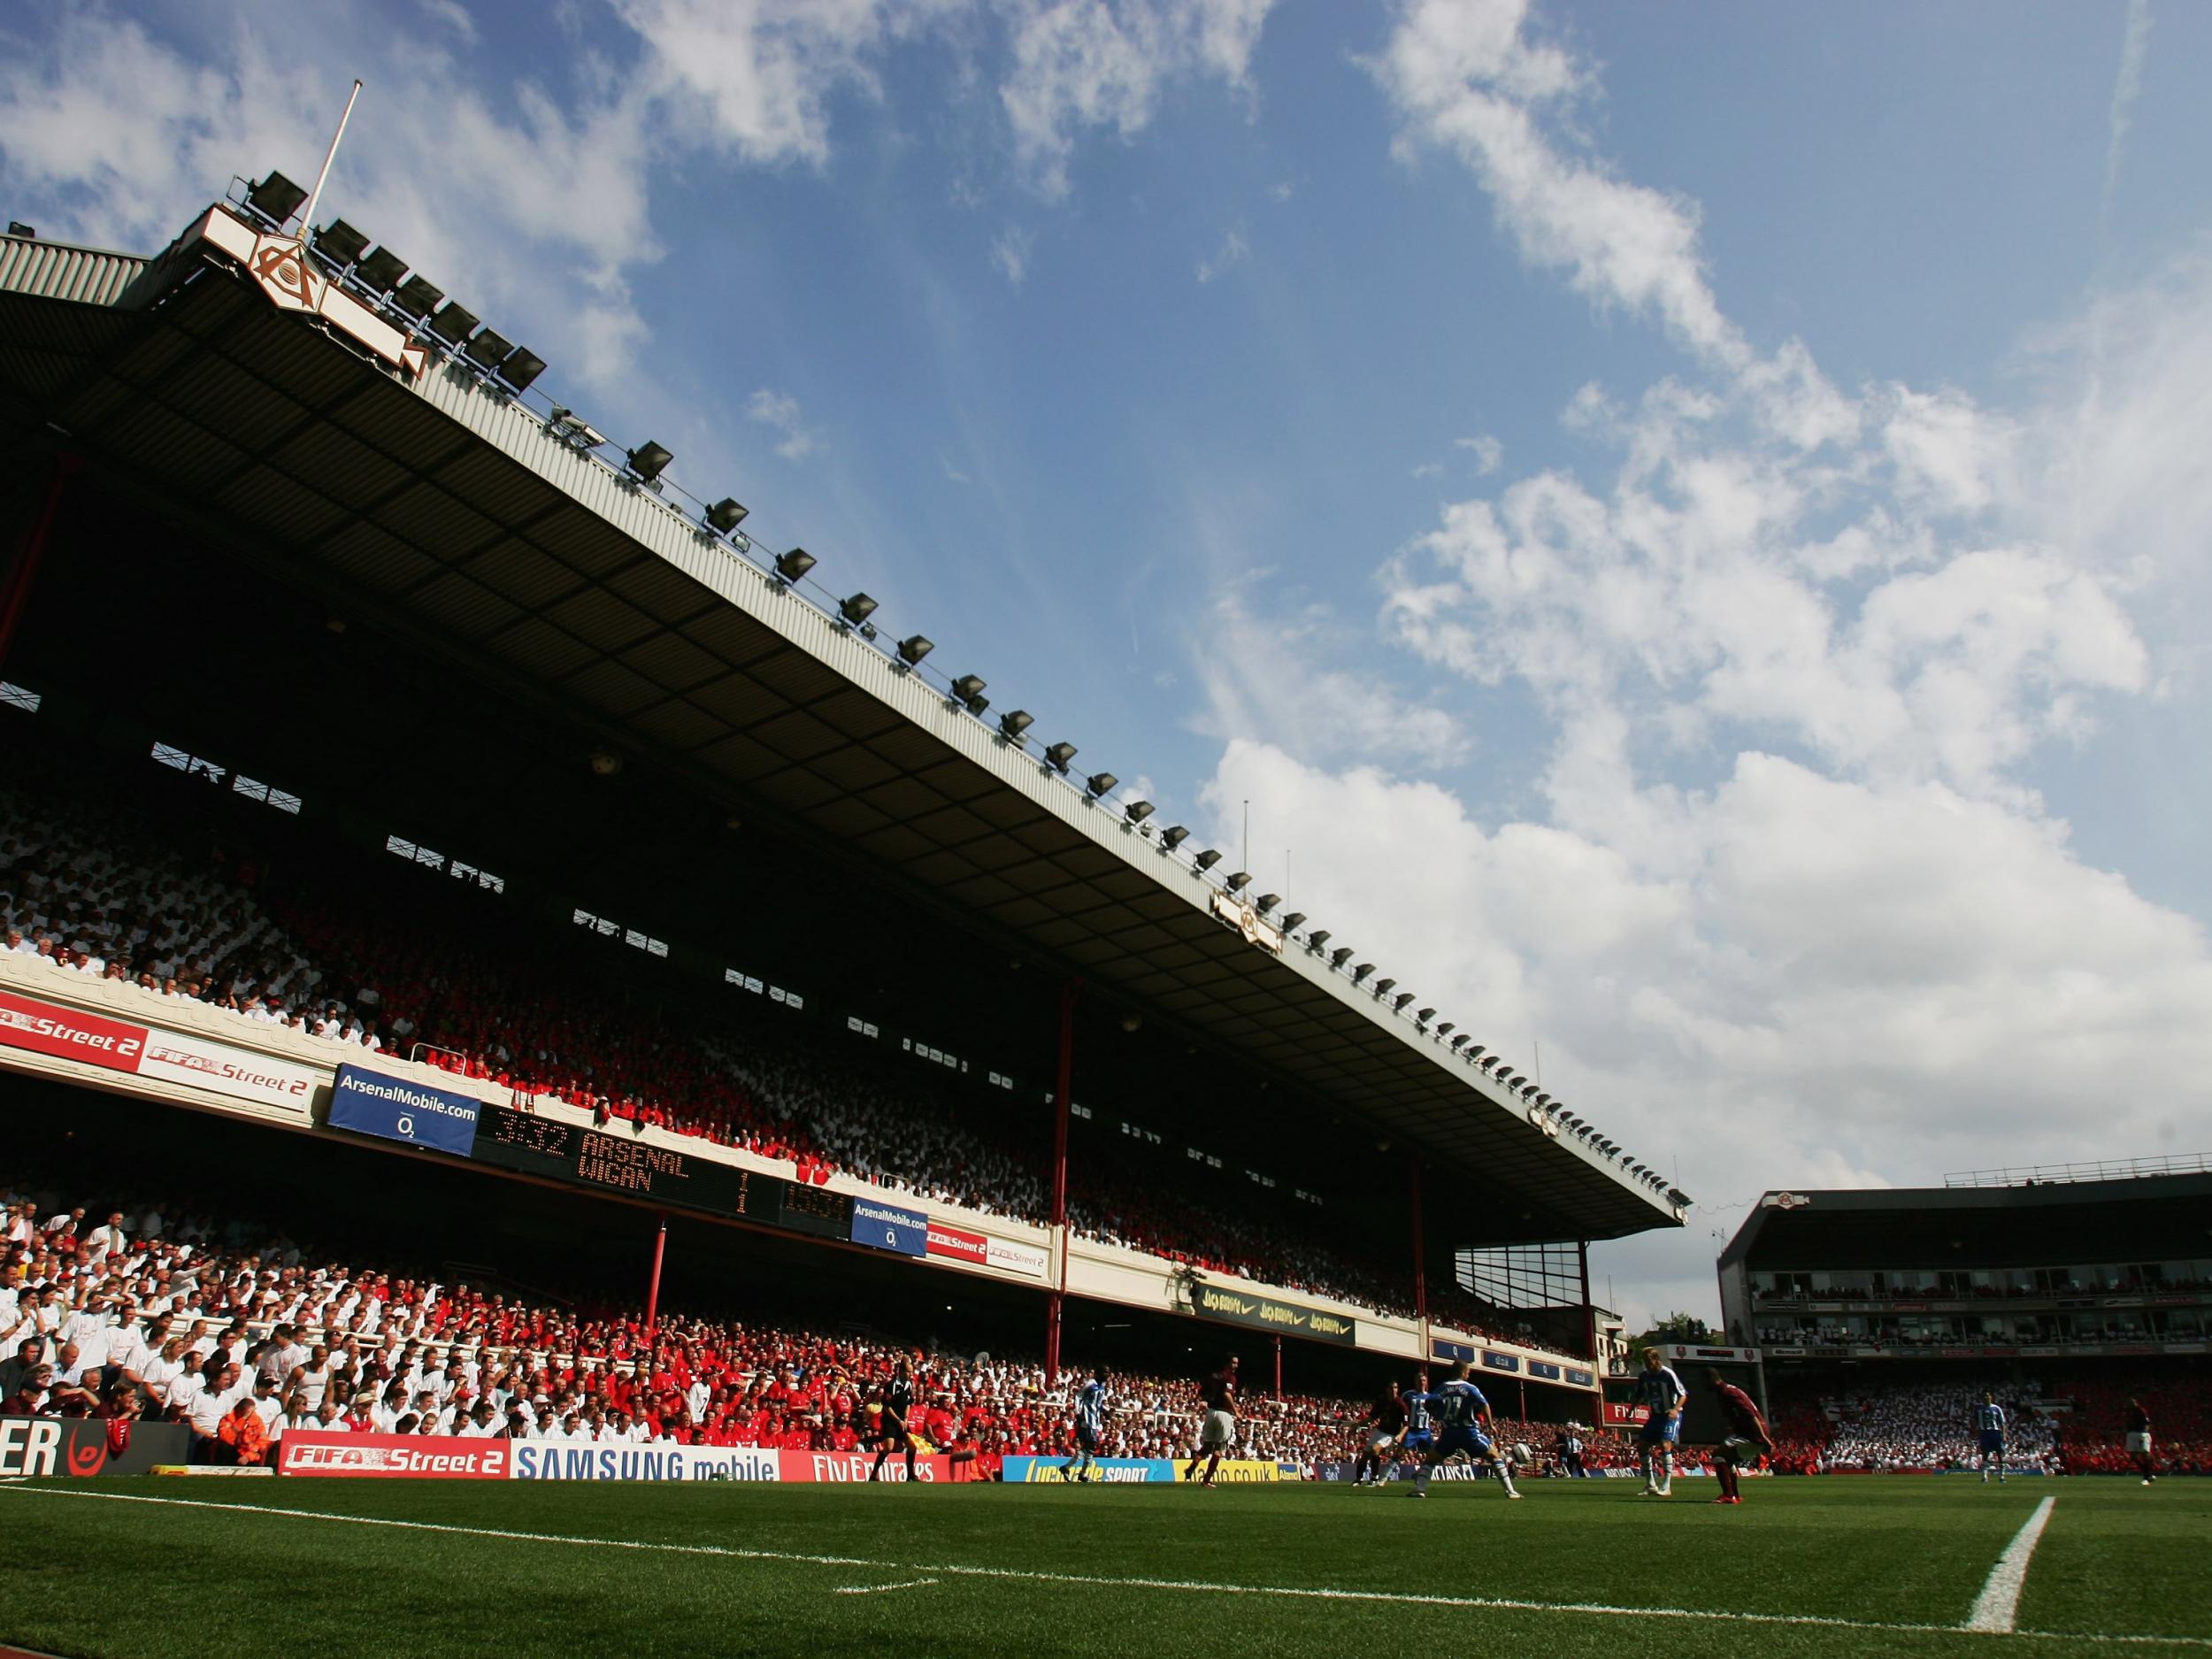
(127, 904)
(1930, 1425)
(239, 1333)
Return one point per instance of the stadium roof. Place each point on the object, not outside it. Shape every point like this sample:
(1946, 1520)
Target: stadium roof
(445, 505)
(2153, 1218)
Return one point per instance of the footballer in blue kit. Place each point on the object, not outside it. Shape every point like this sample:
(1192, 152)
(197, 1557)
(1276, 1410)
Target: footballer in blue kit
(1090, 1428)
(1989, 1434)
(1662, 1395)
(1463, 1418)
(1418, 1433)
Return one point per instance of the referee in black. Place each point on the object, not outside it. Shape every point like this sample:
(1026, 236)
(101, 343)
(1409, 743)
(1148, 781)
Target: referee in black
(892, 1430)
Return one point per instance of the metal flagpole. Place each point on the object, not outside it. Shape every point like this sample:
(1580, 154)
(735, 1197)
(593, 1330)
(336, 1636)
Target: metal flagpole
(307, 218)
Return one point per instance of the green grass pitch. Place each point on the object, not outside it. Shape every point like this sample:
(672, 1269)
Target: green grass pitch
(163, 1568)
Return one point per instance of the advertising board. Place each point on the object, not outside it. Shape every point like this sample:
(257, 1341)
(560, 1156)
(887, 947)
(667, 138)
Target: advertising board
(883, 1226)
(393, 1109)
(392, 1456)
(45, 1448)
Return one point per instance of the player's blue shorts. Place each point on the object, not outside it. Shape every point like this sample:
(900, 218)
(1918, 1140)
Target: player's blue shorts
(1463, 1438)
(1418, 1440)
(1993, 1440)
(1659, 1429)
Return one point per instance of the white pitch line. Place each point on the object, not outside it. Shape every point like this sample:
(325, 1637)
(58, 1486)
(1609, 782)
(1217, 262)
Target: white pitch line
(1998, 1606)
(1195, 1587)
(878, 1589)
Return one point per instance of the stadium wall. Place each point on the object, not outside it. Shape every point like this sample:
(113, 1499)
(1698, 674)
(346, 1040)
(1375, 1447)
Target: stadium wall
(178, 1052)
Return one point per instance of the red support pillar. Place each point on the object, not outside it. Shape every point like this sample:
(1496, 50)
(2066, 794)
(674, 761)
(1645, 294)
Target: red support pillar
(16, 591)
(1420, 1265)
(653, 1291)
(1278, 1368)
(1063, 1085)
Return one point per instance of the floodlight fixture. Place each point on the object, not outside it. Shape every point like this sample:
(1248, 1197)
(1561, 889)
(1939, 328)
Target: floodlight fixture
(1059, 756)
(1138, 810)
(1173, 836)
(276, 198)
(968, 687)
(1266, 901)
(490, 348)
(1014, 722)
(1342, 954)
(1101, 783)
(1488, 1060)
(794, 565)
(419, 296)
(521, 367)
(856, 608)
(1384, 986)
(913, 649)
(1362, 971)
(381, 272)
(726, 515)
(1290, 920)
(1445, 1029)
(340, 243)
(648, 461)
(1425, 1015)
(1459, 1040)
(17, 228)
(454, 323)
(1402, 999)
(1241, 880)
(1207, 859)
(1317, 939)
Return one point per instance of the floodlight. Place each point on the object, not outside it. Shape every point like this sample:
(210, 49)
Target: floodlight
(490, 348)
(1059, 754)
(1014, 722)
(968, 687)
(1362, 972)
(1445, 1029)
(1402, 998)
(419, 297)
(1383, 986)
(913, 649)
(1476, 1049)
(1138, 810)
(524, 366)
(1102, 783)
(726, 515)
(276, 198)
(453, 324)
(856, 608)
(1266, 901)
(381, 272)
(1240, 881)
(1457, 1040)
(1317, 939)
(1173, 836)
(340, 243)
(794, 565)
(1342, 954)
(1291, 918)
(1425, 1015)
(1207, 859)
(17, 228)
(647, 461)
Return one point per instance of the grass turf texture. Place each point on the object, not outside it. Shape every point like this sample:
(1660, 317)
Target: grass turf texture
(1022, 1571)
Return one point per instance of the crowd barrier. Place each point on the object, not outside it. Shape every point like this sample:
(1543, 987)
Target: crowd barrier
(41, 1449)
(1123, 1470)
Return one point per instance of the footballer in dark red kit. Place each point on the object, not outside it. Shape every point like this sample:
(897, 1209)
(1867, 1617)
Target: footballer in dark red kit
(1747, 1442)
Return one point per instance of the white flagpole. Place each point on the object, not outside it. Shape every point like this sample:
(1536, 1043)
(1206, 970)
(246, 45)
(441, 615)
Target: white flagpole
(307, 218)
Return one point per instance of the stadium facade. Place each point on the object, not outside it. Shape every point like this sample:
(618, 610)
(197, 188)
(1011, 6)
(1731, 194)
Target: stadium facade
(369, 579)
(2079, 1263)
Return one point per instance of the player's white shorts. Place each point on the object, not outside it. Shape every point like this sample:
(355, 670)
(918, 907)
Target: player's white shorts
(2139, 1444)
(1220, 1430)
(1380, 1445)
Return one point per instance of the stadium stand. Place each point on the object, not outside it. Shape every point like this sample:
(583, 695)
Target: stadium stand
(101, 883)
(242, 1334)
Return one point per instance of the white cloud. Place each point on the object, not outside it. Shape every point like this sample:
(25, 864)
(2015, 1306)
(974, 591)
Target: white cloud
(1466, 77)
(2125, 85)
(1233, 251)
(452, 15)
(1488, 452)
(1260, 678)
(1088, 64)
(1009, 254)
(779, 411)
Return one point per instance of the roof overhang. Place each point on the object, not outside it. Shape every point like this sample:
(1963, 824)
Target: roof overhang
(379, 468)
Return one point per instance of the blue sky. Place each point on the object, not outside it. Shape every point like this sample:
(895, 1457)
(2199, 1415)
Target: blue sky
(1686, 523)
